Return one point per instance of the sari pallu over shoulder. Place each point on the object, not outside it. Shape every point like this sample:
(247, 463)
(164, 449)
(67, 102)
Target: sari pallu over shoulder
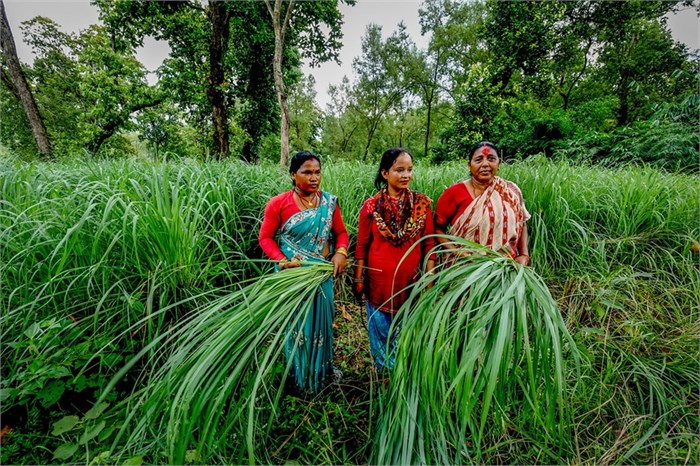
(309, 344)
(494, 219)
(305, 234)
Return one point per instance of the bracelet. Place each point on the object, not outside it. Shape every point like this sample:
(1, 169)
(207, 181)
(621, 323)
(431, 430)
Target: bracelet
(342, 251)
(282, 262)
(358, 280)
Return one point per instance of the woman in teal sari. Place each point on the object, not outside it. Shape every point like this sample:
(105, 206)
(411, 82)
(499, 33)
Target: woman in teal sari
(311, 229)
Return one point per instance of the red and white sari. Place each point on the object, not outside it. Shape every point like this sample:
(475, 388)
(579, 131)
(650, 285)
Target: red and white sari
(494, 219)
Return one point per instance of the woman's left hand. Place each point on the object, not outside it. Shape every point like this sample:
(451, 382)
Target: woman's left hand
(523, 259)
(339, 261)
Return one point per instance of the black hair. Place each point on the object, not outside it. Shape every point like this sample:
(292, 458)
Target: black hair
(484, 144)
(388, 158)
(298, 160)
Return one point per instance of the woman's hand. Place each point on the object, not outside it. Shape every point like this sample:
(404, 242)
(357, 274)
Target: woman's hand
(358, 287)
(339, 261)
(523, 259)
(288, 264)
(430, 272)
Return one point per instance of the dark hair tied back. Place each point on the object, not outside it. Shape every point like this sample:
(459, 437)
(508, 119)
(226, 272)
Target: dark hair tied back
(388, 158)
(483, 144)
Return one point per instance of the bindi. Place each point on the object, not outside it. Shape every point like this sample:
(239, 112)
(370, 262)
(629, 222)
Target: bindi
(485, 151)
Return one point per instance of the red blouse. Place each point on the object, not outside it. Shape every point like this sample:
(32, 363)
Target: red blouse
(452, 203)
(393, 274)
(278, 211)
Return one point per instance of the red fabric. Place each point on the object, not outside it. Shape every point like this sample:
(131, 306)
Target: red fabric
(401, 221)
(452, 203)
(380, 254)
(278, 211)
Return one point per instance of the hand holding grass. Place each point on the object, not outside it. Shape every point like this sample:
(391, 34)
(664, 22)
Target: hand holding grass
(339, 260)
(522, 259)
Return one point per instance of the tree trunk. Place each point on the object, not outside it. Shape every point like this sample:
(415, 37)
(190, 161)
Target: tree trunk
(370, 136)
(217, 42)
(280, 28)
(623, 95)
(7, 43)
(427, 127)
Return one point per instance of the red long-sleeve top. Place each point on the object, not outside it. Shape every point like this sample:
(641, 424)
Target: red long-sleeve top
(387, 274)
(278, 211)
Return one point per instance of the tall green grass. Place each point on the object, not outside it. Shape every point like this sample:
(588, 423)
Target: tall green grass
(109, 255)
(481, 350)
(214, 373)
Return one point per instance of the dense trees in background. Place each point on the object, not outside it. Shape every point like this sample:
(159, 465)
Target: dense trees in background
(600, 81)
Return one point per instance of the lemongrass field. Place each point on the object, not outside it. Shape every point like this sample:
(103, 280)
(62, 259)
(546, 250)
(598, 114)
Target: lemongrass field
(122, 284)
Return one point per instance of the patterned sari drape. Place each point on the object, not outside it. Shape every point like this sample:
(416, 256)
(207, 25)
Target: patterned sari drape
(494, 219)
(309, 343)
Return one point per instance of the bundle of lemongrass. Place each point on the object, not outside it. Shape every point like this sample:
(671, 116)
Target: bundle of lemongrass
(481, 355)
(213, 373)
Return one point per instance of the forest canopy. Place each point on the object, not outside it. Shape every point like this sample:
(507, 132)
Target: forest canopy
(590, 81)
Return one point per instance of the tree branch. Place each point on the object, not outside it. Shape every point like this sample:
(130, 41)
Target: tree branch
(111, 127)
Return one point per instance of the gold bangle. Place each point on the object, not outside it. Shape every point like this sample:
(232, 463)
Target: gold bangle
(282, 262)
(342, 251)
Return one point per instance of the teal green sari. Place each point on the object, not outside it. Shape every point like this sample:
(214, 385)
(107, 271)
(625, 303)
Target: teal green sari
(309, 345)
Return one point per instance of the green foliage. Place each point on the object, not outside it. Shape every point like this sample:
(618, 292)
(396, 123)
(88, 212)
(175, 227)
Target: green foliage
(484, 345)
(304, 116)
(216, 370)
(526, 130)
(131, 249)
(477, 107)
(664, 144)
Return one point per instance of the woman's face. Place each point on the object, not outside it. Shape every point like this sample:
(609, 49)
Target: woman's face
(399, 175)
(308, 177)
(484, 164)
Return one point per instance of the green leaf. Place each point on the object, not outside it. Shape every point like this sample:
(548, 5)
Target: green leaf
(51, 393)
(64, 425)
(65, 451)
(191, 456)
(58, 372)
(96, 410)
(133, 461)
(91, 433)
(105, 433)
(32, 331)
(7, 393)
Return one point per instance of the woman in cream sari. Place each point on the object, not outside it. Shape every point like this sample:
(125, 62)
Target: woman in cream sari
(485, 209)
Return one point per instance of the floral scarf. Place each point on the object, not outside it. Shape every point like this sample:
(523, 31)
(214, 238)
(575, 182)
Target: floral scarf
(400, 221)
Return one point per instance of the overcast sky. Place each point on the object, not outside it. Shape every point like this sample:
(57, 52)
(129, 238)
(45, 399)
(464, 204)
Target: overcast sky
(75, 15)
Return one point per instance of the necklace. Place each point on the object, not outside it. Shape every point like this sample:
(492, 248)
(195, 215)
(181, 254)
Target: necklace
(398, 197)
(478, 187)
(304, 201)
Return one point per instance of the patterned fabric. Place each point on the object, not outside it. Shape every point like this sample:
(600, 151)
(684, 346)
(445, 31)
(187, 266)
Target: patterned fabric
(495, 218)
(309, 345)
(382, 342)
(400, 221)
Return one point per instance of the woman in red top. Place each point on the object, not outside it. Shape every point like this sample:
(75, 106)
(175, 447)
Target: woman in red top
(390, 223)
(485, 209)
(311, 230)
